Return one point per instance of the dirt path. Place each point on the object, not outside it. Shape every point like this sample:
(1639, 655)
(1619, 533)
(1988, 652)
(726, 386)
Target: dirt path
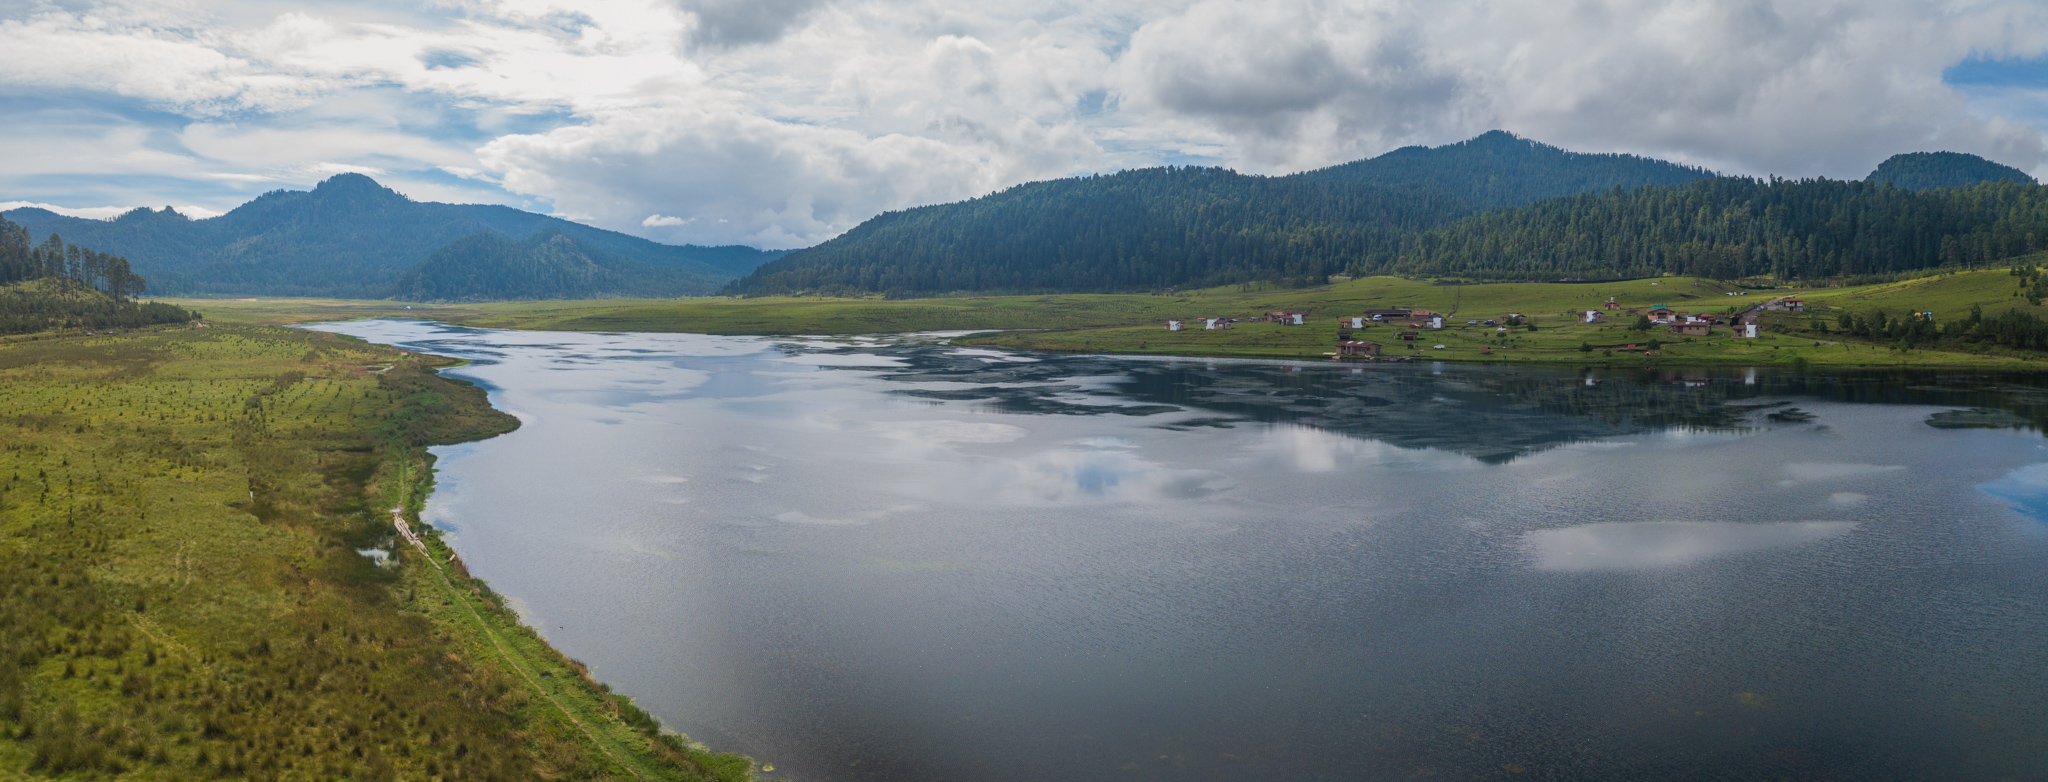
(405, 531)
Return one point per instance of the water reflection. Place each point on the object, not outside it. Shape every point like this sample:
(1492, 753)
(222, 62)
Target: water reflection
(1502, 412)
(1632, 545)
(881, 561)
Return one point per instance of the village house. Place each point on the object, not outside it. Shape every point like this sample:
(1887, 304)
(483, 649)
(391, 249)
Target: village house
(1786, 305)
(1358, 349)
(1594, 316)
(1357, 321)
(1173, 325)
(1409, 336)
(1393, 314)
(1691, 329)
(1612, 304)
(1215, 324)
(1287, 318)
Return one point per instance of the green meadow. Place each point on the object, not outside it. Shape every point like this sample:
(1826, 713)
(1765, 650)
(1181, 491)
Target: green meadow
(182, 594)
(1135, 323)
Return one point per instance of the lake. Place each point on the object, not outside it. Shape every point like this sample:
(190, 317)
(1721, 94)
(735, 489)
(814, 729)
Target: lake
(896, 559)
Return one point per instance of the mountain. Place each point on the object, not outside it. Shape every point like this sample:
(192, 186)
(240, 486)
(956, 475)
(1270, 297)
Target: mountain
(1135, 230)
(1929, 170)
(486, 266)
(351, 237)
(1161, 227)
(1499, 169)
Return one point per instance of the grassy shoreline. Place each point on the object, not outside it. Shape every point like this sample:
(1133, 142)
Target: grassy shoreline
(182, 597)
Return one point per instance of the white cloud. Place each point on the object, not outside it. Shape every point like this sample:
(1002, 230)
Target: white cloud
(784, 122)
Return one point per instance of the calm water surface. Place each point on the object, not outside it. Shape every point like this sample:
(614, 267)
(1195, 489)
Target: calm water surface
(876, 560)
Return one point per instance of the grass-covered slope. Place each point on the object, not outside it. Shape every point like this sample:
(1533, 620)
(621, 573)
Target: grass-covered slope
(1929, 170)
(52, 303)
(349, 236)
(182, 597)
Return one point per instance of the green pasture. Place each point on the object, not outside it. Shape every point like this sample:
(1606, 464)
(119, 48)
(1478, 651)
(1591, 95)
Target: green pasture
(784, 315)
(181, 595)
(1134, 323)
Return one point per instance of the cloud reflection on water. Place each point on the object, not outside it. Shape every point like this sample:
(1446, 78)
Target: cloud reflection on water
(1643, 545)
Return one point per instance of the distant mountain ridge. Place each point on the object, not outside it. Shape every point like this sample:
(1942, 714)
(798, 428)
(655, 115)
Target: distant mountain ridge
(352, 237)
(1162, 227)
(486, 266)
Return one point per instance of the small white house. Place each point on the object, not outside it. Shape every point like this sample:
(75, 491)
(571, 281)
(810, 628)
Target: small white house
(1358, 322)
(1592, 316)
(1746, 331)
(1173, 325)
(1436, 322)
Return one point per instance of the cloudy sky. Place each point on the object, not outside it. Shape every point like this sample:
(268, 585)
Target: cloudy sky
(780, 123)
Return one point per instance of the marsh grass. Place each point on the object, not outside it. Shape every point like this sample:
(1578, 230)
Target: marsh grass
(181, 597)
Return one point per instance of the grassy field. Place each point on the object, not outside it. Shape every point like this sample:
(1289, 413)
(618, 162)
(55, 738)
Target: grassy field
(182, 597)
(1134, 323)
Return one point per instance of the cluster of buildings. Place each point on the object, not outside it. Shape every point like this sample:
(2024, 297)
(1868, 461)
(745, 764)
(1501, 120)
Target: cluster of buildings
(1413, 322)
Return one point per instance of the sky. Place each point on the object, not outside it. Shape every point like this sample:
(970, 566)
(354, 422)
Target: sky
(782, 123)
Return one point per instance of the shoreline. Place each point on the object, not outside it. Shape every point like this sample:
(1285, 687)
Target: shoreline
(629, 736)
(214, 507)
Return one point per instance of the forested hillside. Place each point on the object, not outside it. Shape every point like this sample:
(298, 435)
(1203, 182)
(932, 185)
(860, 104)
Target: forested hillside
(1161, 227)
(1929, 170)
(56, 284)
(347, 237)
(1149, 228)
(1493, 208)
(485, 266)
(1735, 227)
(1498, 169)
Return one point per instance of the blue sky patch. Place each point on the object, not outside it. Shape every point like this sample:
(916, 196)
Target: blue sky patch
(1980, 72)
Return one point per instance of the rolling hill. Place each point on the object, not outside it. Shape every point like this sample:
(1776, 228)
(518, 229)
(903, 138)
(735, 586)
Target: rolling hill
(353, 237)
(1495, 207)
(1929, 170)
(1163, 227)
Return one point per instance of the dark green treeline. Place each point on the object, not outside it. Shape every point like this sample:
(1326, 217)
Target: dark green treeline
(1736, 227)
(53, 284)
